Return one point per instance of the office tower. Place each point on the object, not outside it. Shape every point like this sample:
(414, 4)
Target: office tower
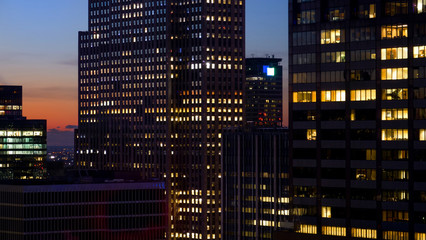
(254, 182)
(357, 118)
(93, 210)
(11, 102)
(158, 80)
(263, 91)
(22, 142)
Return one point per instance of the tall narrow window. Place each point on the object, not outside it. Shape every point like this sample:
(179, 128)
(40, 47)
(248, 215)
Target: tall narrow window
(422, 134)
(420, 6)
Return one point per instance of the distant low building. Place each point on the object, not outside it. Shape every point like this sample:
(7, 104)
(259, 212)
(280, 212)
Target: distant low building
(22, 142)
(111, 210)
(255, 201)
(263, 92)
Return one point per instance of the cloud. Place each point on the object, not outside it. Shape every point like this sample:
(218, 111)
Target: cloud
(16, 56)
(71, 62)
(54, 130)
(71, 127)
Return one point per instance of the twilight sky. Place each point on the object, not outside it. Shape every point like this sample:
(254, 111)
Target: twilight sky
(38, 50)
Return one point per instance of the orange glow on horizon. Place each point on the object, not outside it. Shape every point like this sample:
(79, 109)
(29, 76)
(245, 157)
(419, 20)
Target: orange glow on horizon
(57, 112)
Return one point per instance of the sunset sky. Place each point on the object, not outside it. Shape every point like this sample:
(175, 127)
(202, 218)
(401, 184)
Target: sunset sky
(38, 50)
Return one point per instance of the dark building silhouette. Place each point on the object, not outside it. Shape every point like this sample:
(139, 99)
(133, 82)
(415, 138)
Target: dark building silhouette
(92, 210)
(22, 142)
(264, 92)
(158, 81)
(357, 139)
(255, 200)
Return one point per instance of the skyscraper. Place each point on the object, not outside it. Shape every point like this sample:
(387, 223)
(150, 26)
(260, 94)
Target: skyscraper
(23, 148)
(158, 80)
(357, 139)
(264, 92)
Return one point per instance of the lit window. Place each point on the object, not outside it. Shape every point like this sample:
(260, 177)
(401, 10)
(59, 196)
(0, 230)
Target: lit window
(367, 11)
(365, 174)
(419, 6)
(311, 134)
(326, 212)
(422, 135)
(394, 53)
(420, 236)
(419, 52)
(363, 95)
(308, 229)
(370, 154)
(395, 94)
(28, 133)
(336, 14)
(333, 96)
(299, 97)
(394, 134)
(364, 233)
(394, 73)
(332, 36)
(394, 31)
(334, 231)
(395, 216)
(394, 114)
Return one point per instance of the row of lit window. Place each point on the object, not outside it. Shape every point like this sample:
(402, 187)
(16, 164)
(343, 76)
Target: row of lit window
(200, 118)
(22, 146)
(360, 232)
(336, 14)
(10, 107)
(356, 95)
(363, 55)
(229, 2)
(387, 215)
(6, 133)
(267, 211)
(331, 36)
(23, 152)
(387, 134)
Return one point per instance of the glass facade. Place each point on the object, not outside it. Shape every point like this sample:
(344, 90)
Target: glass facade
(357, 135)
